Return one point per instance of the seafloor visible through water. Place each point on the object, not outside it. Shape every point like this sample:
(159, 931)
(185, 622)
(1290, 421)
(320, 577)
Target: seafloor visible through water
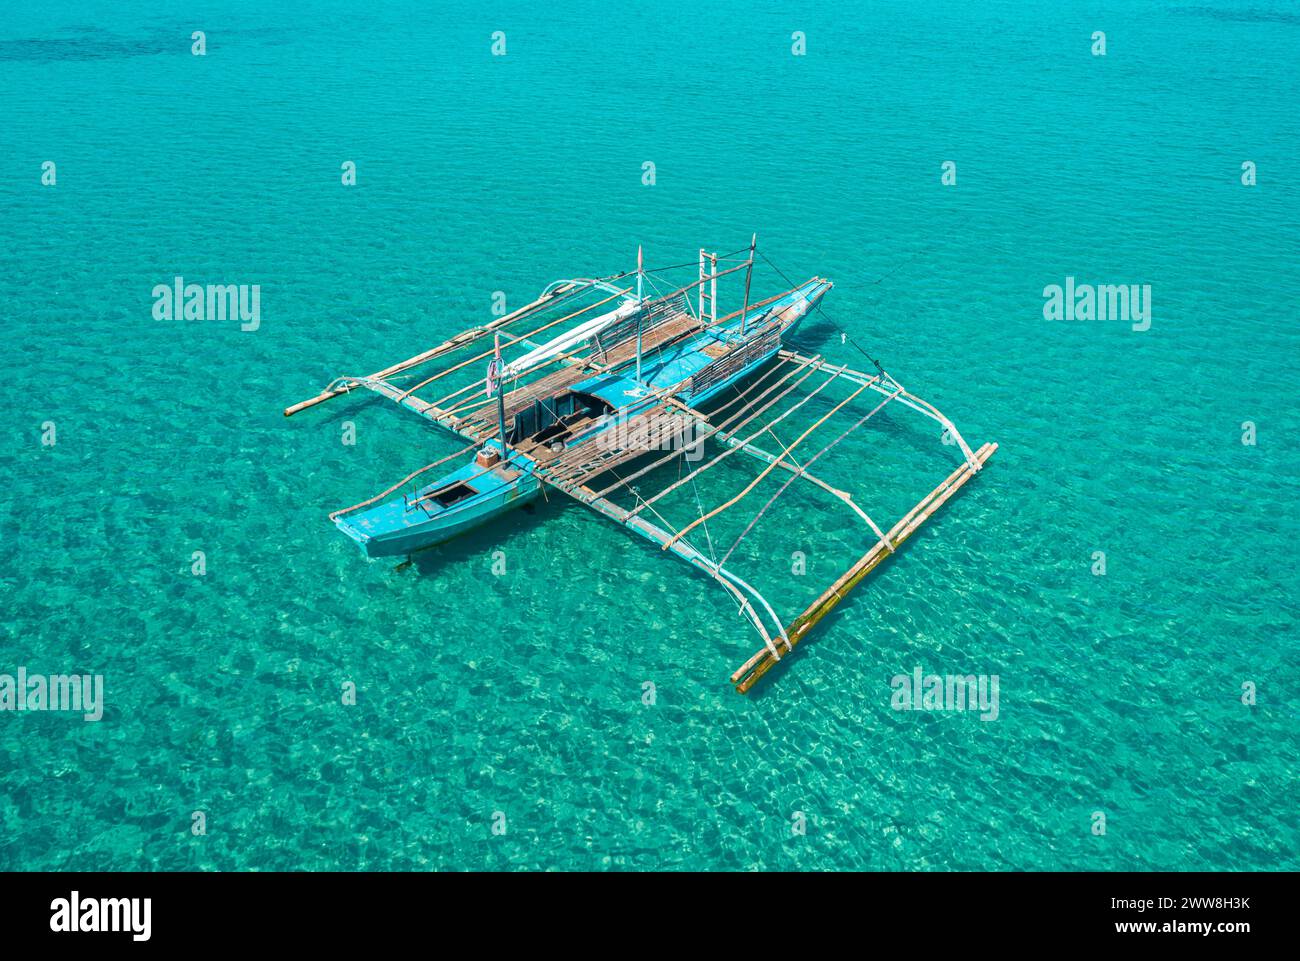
(517, 698)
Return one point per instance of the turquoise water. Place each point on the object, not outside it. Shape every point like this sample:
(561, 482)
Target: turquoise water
(521, 693)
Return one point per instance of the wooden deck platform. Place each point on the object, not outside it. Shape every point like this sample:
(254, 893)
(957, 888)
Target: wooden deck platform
(654, 431)
(482, 424)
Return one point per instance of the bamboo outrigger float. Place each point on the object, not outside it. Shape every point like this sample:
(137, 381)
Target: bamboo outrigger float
(637, 380)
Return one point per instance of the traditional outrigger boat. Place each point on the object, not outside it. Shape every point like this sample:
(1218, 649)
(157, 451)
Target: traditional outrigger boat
(630, 378)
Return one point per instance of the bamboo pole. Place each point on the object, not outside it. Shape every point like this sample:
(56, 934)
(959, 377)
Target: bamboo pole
(748, 420)
(460, 340)
(584, 364)
(719, 428)
(713, 290)
(771, 467)
(640, 275)
(808, 463)
(686, 552)
(749, 673)
(800, 473)
(489, 353)
(763, 303)
(500, 391)
(767, 427)
(723, 425)
(744, 310)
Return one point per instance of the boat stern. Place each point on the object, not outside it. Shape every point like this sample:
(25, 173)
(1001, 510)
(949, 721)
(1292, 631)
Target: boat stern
(461, 500)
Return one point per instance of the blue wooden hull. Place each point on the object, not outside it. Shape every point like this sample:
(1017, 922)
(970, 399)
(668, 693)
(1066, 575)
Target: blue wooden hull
(406, 524)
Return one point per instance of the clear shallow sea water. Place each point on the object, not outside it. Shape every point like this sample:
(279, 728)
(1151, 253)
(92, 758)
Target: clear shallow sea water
(522, 693)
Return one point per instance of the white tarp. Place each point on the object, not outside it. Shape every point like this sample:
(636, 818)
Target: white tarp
(566, 341)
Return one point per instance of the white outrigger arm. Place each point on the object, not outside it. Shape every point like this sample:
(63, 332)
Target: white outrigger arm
(889, 385)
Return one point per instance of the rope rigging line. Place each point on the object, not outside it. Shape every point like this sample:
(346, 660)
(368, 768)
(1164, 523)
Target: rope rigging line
(769, 429)
(658, 348)
(665, 521)
(830, 320)
(771, 467)
(700, 507)
(803, 472)
(735, 449)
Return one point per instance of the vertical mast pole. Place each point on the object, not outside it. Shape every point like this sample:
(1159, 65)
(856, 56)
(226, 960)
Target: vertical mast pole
(700, 298)
(501, 398)
(639, 274)
(713, 290)
(749, 271)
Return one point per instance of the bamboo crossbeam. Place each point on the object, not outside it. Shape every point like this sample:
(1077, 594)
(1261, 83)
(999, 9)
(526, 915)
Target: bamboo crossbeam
(583, 362)
(767, 427)
(532, 333)
(752, 670)
(704, 280)
(752, 415)
(909, 400)
(771, 467)
(733, 584)
(577, 460)
(802, 470)
(517, 399)
(726, 423)
(801, 473)
(575, 463)
(460, 340)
